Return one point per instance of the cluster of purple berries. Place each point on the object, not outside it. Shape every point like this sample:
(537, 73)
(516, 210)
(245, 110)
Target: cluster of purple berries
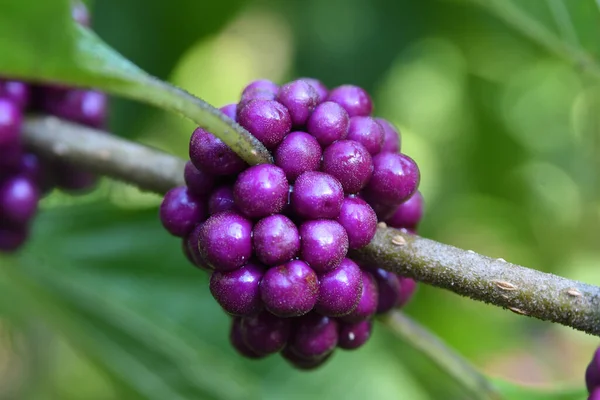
(275, 238)
(24, 176)
(592, 377)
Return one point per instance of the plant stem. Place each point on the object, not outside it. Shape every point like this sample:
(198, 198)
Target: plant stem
(443, 356)
(495, 281)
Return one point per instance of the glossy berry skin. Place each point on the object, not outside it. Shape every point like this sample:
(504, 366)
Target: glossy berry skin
(198, 181)
(408, 214)
(366, 131)
(317, 195)
(265, 333)
(350, 163)
(290, 290)
(367, 304)
(19, 199)
(395, 178)
(408, 288)
(276, 239)
(340, 290)
(389, 287)
(267, 120)
(237, 291)
(221, 199)
(10, 124)
(191, 250)
(230, 110)
(225, 241)
(87, 107)
(391, 136)
(299, 152)
(324, 244)
(353, 336)
(300, 98)
(16, 91)
(237, 341)
(321, 89)
(359, 220)
(181, 211)
(314, 336)
(592, 373)
(355, 100)
(210, 154)
(259, 89)
(328, 123)
(12, 238)
(302, 363)
(595, 395)
(261, 190)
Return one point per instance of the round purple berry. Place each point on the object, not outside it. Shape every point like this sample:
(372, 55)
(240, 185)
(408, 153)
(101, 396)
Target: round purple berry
(395, 178)
(276, 239)
(324, 244)
(317, 195)
(230, 110)
(225, 241)
(353, 336)
(210, 154)
(198, 181)
(367, 305)
(366, 131)
(302, 363)
(221, 199)
(10, 123)
(408, 288)
(391, 136)
(87, 107)
(328, 123)
(355, 100)
(69, 177)
(592, 373)
(321, 89)
(181, 211)
(290, 290)
(12, 238)
(19, 199)
(237, 291)
(408, 214)
(237, 341)
(268, 120)
(265, 333)
(191, 250)
(340, 290)
(261, 190)
(359, 220)
(298, 152)
(350, 163)
(263, 85)
(300, 98)
(314, 336)
(30, 166)
(389, 287)
(16, 91)
(595, 395)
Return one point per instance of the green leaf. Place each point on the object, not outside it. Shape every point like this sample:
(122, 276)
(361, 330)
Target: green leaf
(513, 391)
(61, 51)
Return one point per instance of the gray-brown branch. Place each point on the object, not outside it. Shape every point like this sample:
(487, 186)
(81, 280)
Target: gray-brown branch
(495, 281)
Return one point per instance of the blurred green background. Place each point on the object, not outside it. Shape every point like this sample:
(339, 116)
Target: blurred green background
(103, 305)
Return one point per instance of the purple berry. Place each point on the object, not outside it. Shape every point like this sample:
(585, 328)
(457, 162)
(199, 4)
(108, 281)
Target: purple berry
(225, 241)
(10, 124)
(328, 123)
(340, 290)
(268, 120)
(382, 211)
(408, 214)
(366, 131)
(230, 110)
(324, 244)
(10, 157)
(181, 211)
(276, 239)
(314, 336)
(192, 251)
(238, 291)
(30, 166)
(353, 336)
(302, 363)
(261, 190)
(12, 238)
(300, 98)
(389, 287)
(367, 305)
(198, 181)
(298, 152)
(359, 220)
(592, 373)
(290, 290)
(237, 341)
(391, 137)
(355, 100)
(69, 177)
(87, 107)
(80, 13)
(395, 178)
(317, 195)
(15, 91)
(595, 395)
(210, 154)
(321, 89)
(263, 85)
(408, 287)
(19, 199)
(265, 333)
(221, 199)
(350, 163)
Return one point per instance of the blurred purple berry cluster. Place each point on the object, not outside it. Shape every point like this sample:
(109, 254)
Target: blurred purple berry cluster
(592, 377)
(275, 237)
(24, 176)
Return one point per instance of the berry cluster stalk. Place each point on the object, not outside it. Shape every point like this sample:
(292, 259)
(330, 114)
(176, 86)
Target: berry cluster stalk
(495, 281)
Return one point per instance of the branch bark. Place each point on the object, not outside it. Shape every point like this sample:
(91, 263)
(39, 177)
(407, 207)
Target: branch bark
(495, 281)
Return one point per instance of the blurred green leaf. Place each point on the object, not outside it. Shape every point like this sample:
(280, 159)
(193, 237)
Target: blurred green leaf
(516, 392)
